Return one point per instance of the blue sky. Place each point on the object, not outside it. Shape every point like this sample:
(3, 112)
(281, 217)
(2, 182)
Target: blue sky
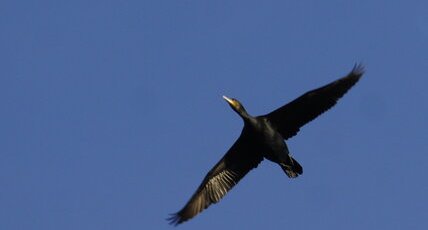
(111, 112)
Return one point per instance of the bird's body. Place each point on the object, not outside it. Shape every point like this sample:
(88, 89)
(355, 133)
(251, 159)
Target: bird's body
(263, 137)
(266, 139)
(274, 147)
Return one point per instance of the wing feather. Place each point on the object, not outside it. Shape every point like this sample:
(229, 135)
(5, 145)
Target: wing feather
(234, 165)
(289, 118)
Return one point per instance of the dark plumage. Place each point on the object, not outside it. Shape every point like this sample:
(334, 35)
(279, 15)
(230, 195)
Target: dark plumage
(263, 137)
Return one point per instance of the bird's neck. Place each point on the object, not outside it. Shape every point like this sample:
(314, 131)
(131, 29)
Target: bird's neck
(245, 116)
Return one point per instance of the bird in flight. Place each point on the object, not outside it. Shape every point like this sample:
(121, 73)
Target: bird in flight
(263, 137)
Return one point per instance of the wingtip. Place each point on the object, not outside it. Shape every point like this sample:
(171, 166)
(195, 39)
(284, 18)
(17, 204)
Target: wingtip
(358, 70)
(174, 219)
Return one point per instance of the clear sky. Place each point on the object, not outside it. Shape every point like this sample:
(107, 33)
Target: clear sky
(111, 112)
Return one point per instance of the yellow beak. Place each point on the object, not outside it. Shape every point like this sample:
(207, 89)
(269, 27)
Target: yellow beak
(228, 100)
(233, 103)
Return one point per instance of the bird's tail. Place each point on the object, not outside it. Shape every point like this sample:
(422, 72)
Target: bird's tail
(292, 168)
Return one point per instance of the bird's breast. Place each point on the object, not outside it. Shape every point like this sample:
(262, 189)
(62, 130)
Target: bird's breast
(269, 140)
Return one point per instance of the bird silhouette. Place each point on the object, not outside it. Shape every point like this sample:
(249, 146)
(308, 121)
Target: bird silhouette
(263, 137)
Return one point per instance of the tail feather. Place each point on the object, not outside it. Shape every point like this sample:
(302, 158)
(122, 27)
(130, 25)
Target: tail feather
(293, 169)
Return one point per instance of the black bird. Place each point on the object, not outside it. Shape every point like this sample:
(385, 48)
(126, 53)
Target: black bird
(263, 137)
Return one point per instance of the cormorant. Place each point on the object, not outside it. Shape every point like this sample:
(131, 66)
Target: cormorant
(263, 137)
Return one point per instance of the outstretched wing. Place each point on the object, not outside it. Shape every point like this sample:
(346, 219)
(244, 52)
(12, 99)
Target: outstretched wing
(289, 118)
(235, 164)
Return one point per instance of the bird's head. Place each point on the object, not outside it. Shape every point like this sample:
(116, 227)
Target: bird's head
(236, 105)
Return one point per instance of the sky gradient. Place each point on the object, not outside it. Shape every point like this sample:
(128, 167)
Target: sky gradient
(111, 112)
